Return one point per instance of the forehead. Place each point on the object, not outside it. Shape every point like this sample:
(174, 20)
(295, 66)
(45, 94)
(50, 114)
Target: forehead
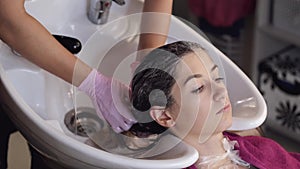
(197, 62)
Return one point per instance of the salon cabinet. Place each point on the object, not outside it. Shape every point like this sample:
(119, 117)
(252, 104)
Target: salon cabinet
(269, 39)
(277, 35)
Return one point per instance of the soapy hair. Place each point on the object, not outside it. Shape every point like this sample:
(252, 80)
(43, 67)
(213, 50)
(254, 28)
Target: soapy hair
(152, 84)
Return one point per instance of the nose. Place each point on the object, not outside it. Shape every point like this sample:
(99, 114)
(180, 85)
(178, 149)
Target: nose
(219, 92)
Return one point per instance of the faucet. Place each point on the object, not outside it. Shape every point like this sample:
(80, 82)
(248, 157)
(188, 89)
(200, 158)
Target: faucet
(99, 10)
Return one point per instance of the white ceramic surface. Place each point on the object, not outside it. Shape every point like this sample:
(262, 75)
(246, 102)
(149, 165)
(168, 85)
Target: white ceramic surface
(38, 101)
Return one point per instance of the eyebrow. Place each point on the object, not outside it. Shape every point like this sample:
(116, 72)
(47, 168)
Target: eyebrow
(199, 75)
(213, 68)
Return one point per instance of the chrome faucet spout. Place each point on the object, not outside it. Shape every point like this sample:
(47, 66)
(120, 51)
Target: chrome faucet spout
(98, 11)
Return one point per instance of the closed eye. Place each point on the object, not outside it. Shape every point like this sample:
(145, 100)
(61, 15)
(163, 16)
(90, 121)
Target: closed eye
(198, 90)
(219, 79)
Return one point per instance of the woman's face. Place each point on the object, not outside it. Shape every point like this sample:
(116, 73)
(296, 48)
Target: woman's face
(202, 106)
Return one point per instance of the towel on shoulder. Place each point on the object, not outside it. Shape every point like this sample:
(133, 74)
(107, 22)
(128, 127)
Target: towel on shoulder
(264, 153)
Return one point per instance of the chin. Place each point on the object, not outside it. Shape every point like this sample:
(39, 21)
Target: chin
(225, 125)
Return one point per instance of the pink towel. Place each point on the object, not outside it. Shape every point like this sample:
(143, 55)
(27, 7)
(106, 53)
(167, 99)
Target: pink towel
(222, 13)
(264, 153)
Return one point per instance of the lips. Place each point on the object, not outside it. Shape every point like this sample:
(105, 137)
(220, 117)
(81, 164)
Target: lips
(224, 109)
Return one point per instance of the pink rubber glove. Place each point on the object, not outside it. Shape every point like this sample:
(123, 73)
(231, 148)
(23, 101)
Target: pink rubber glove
(111, 100)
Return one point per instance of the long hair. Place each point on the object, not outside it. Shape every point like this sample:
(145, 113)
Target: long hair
(152, 84)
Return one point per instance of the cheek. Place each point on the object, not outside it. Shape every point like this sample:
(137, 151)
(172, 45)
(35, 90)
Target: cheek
(191, 103)
(193, 113)
(203, 110)
(185, 112)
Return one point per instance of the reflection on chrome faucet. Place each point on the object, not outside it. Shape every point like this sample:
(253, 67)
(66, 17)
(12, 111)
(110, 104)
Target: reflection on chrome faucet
(98, 11)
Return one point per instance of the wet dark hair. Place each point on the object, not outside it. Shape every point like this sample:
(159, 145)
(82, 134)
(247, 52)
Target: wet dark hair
(152, 84)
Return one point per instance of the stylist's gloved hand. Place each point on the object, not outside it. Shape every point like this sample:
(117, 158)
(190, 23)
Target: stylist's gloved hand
(111, 100)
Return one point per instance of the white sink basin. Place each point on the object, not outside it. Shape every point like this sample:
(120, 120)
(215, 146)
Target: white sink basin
(38, 101)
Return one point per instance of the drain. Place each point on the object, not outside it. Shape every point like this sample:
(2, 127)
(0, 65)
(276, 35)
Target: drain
(83, 122)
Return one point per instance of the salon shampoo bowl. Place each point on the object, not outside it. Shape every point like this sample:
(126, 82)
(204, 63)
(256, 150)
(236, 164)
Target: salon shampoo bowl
(37, 101)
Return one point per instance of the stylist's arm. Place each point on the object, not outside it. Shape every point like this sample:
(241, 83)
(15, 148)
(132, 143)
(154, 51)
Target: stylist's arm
(28, 37)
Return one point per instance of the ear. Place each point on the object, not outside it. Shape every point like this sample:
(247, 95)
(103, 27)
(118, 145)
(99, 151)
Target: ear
(162, 116)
